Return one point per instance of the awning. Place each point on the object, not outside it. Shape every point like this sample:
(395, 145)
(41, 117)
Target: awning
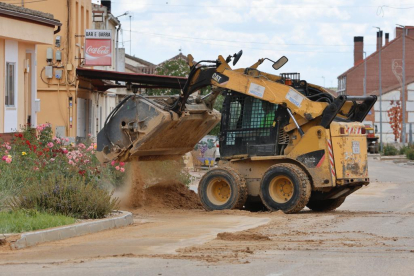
(100, 79)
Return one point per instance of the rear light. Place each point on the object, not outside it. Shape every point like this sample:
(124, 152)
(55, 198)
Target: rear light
(342, 130)
(218, 145)
(363, 130)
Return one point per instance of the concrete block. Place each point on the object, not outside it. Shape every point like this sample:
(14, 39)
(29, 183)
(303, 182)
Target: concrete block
(60, 233)
(95, 227)
(34, 238)
(124, 222)
(81, 229)
(68, 232)
(108, 224)
(19, 244)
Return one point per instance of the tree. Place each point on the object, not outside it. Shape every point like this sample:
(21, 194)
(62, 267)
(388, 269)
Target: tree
(177, 68)
(395, 115)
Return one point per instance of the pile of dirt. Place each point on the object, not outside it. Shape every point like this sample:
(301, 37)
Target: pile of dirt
(226, 236)
(171, 196)
(168, 193)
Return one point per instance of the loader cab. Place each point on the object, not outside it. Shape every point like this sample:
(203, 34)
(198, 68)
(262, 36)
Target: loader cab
(250, 126)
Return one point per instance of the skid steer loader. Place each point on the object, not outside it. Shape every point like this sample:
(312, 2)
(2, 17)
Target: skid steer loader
(284, 143)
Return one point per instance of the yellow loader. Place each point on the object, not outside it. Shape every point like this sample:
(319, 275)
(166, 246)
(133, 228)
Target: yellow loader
(284, 143)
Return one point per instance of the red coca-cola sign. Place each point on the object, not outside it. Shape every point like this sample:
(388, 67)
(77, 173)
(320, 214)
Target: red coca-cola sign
(98, 48)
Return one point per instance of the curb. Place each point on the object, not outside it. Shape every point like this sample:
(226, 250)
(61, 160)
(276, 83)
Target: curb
(65, 232)
(394, 158)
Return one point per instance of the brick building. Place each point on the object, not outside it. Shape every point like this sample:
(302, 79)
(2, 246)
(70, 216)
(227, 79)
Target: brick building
(351, 82)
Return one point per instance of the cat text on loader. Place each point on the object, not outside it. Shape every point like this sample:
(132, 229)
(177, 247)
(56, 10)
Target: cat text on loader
(284, 143)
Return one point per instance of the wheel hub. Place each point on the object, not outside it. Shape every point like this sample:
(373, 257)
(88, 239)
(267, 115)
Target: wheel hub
(218, 191)
(281, 189)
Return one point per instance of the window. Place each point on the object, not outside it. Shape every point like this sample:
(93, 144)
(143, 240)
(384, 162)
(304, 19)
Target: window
(10, 81)
(342, 86)
(248, 126)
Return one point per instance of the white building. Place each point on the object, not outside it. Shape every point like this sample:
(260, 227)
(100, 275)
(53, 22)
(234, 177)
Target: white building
(389, 100)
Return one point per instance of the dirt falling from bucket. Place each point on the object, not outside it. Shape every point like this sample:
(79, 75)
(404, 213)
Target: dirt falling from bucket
(158, 185)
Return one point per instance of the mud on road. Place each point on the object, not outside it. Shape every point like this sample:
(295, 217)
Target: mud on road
(373, 229)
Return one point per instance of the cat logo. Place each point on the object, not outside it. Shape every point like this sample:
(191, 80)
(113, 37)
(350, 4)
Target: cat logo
(216, 77)
(219, 78)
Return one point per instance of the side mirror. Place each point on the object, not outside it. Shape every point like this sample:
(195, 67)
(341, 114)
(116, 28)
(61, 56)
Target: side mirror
(278, 64)
(237, 57)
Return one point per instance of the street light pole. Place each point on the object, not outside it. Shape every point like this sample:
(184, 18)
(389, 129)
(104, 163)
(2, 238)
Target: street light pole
(130, 36)
(365, 73)
(380, 87)
(403, 88)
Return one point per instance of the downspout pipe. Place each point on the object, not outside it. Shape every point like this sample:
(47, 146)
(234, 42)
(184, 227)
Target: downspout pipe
(57, 30)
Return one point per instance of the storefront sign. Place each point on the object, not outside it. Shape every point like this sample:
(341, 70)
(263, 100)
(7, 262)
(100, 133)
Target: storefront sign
(98, 48)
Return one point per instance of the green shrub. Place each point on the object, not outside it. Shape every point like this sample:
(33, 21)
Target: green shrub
(34, 155)
(30, 220)
(404, 149)
(410, 154)
(390, 150)
(67, 196)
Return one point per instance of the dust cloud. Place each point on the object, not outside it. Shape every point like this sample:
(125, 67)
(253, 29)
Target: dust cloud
(158, 185)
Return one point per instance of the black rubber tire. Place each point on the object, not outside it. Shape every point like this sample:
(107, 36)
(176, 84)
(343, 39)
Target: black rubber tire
(301, 188)
(238, 189)
(325, 205)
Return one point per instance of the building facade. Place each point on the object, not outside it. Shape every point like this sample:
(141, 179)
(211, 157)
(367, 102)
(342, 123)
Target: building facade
(57, 63)
(20, 103)
(138, 65)
(364, 76)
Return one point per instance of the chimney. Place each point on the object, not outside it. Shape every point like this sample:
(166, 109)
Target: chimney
(107, 4)
(358, 49)
(379, 40)
(387, 38)
(398, 31)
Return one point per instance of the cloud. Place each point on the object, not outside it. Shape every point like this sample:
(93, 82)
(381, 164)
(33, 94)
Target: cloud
(316, 35)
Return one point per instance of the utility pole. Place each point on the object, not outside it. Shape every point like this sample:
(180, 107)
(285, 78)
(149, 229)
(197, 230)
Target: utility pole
(22, 3)
(380, 87)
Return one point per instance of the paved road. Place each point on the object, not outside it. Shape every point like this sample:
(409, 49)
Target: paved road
(372, 233)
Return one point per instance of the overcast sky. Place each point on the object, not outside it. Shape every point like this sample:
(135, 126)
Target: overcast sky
(315, 35)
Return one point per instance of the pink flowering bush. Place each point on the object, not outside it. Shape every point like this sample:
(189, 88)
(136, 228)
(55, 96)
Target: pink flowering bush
(34, 156)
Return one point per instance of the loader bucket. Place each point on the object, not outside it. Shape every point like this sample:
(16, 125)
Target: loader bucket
(144, 127)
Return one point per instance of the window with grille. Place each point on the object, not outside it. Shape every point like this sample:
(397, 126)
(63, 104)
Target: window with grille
(10, 84)
(248, 126)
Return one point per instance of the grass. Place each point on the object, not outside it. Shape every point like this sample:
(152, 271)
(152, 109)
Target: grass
(30, 220)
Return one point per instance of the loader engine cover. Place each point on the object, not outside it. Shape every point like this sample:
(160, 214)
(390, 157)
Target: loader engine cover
(145, 127)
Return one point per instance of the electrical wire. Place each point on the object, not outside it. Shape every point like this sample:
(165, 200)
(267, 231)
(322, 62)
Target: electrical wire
(261, 49)
(241, 41)
(380, 9)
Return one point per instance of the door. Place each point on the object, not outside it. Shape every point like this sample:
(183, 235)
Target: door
(11, 88)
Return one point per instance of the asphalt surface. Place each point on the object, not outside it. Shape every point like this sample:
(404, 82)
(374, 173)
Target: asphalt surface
(372, 233)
